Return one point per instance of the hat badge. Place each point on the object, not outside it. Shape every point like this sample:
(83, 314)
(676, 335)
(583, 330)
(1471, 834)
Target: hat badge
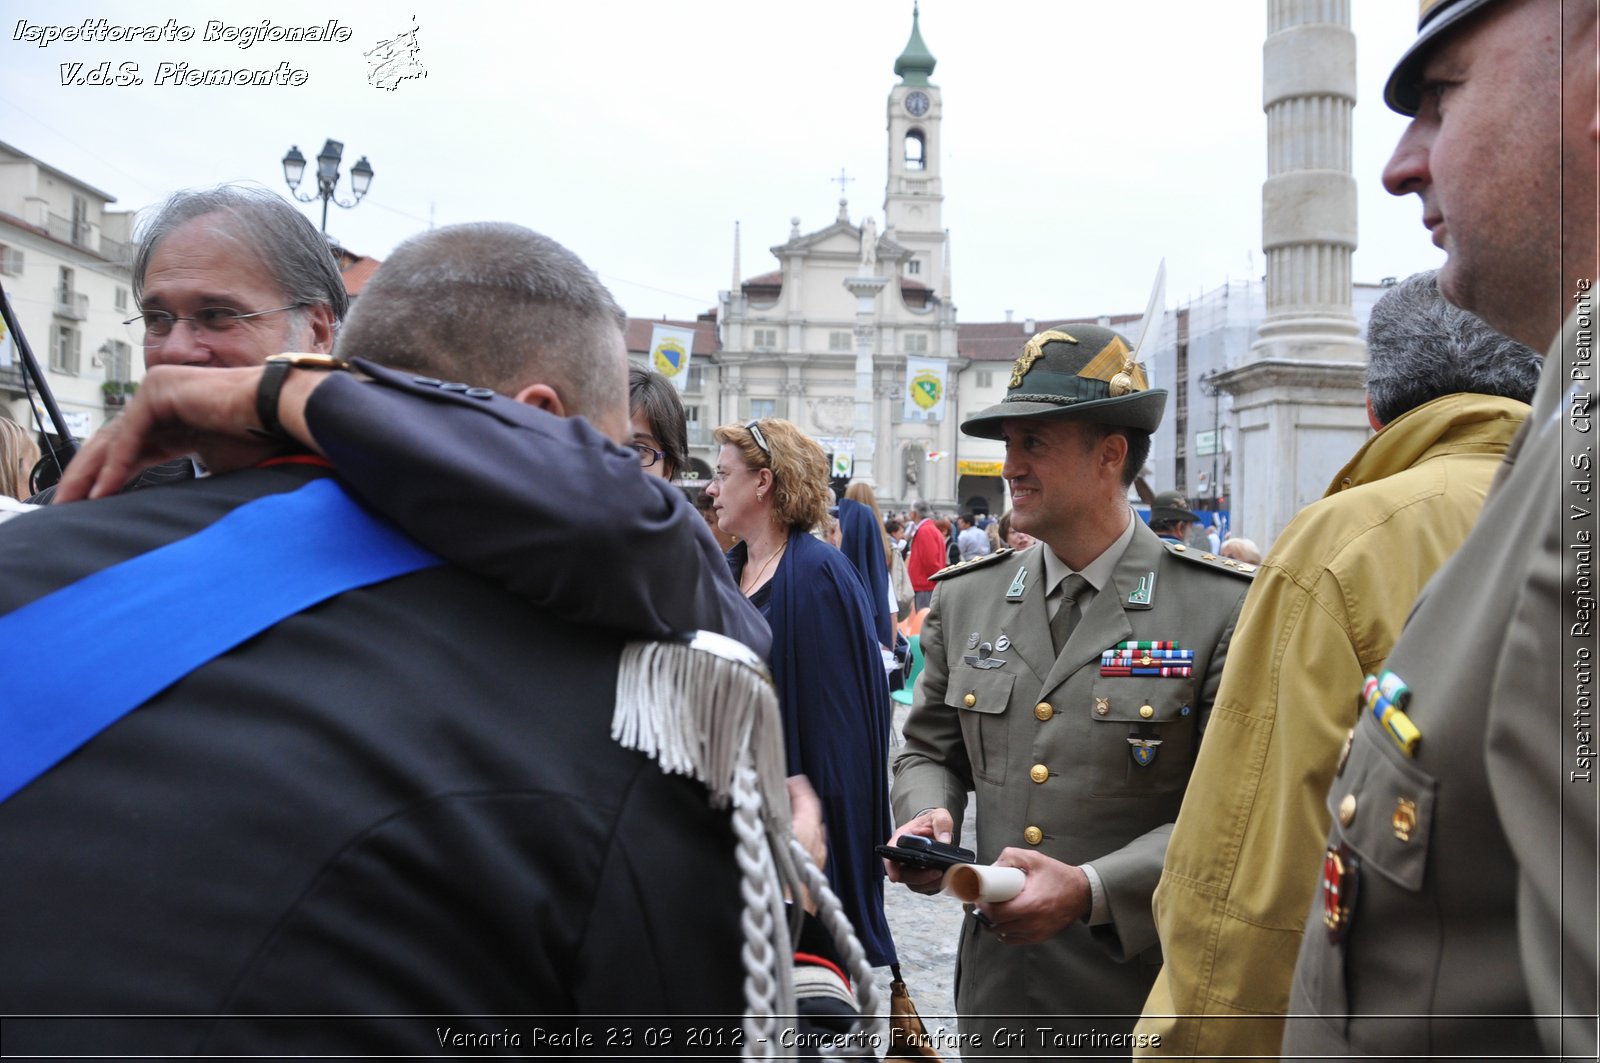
(1122, 382)
(1032, 351)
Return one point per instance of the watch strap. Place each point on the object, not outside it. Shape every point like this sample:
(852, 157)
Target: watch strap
(269, 391)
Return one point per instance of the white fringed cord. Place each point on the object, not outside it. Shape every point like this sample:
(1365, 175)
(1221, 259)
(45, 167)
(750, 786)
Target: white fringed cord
(707, 710)
(869, 1027)
(698, 713)
(767, 953)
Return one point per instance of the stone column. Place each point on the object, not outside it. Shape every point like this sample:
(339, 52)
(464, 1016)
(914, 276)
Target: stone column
(866, 290)
(794, 396)
(886, 392)
(1298, 397)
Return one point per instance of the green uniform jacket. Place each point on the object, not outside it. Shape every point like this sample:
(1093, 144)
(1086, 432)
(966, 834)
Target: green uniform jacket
(1324, 612)
(1044, 742)
(1474, 907)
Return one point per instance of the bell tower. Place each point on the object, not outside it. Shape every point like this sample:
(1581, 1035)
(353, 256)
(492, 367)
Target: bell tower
(914, 197)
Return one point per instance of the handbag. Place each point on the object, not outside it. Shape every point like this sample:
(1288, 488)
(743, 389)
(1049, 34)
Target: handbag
(908, 1038)
(904, 596)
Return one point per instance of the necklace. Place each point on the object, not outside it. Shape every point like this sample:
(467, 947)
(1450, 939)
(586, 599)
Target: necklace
(755, 583)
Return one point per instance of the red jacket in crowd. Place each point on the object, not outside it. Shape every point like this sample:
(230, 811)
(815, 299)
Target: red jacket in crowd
(927, 555)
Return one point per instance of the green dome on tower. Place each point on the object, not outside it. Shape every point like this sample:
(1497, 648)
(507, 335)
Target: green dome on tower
(916, 62)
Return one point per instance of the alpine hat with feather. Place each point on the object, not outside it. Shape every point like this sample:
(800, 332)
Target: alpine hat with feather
(1075, 372)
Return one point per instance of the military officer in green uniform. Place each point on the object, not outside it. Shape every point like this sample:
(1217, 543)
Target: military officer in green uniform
(1067, 685)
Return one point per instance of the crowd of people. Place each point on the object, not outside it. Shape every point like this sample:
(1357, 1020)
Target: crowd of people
(377, 721)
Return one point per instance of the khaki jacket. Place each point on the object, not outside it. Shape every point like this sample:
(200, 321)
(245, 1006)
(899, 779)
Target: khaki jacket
(1043, 740)
(1323, 613)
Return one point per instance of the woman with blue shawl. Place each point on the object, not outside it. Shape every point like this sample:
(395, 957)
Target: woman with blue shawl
(771, 489)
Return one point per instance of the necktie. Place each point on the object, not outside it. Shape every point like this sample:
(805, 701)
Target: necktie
(1067, 613)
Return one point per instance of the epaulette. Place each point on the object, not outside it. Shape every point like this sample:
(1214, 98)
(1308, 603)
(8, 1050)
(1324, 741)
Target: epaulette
(1202, 557)
(967, 566)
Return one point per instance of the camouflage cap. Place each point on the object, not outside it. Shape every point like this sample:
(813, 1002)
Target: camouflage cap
(1075, 373)
(1403, 91)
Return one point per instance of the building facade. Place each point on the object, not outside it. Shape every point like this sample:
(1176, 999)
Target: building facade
(64, 264)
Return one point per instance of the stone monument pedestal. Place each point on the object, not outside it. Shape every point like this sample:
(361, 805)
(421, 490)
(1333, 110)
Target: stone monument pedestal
(1298, 421)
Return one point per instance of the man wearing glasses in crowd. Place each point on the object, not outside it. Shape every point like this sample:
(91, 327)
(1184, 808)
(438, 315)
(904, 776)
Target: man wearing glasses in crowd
(225, 277)
(228, 276)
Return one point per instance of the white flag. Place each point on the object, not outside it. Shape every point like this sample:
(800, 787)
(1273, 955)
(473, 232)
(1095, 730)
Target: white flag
(670, 351)
(925, 387)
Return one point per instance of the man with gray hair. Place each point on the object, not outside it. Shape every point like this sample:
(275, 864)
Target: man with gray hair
(1445, 394)
(226, 276)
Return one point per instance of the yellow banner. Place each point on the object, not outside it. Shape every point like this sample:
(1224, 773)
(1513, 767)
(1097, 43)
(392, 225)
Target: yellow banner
(979, 468)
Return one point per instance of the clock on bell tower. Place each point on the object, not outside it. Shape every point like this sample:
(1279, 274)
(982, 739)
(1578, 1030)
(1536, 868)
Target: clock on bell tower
(914, 197)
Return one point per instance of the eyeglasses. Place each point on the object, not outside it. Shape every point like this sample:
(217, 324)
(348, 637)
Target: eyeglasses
(754, 428)
(648, 455)
(152, 326)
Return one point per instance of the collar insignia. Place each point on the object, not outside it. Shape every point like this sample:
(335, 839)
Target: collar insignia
(1018, 585)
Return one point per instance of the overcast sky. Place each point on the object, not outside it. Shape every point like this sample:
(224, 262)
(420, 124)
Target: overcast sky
(1083, 142)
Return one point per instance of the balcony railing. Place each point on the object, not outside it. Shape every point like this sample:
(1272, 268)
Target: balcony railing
(86, 236)
(72, 305)
(117, 251)
(66, 230)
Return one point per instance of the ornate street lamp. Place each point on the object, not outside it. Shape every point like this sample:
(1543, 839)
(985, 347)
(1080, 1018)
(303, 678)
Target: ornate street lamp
(294, 167)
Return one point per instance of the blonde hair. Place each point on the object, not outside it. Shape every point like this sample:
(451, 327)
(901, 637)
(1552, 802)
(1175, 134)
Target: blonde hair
(18, 451)
(800, 492)
(861, 491)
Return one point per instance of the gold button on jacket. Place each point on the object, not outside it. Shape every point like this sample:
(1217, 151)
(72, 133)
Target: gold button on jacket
(1039, 773)
(1033, 835)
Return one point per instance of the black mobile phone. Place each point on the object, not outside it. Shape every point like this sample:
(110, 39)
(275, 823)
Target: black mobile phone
(916, 851)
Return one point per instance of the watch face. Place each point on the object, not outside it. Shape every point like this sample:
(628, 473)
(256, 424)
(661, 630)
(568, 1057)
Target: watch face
(917, 103)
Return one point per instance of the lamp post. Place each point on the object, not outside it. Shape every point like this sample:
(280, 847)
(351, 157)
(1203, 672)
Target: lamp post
(1209, 386)
(294, 167)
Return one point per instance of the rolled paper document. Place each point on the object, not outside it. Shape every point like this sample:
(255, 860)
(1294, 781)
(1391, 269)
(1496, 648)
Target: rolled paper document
(983, 882)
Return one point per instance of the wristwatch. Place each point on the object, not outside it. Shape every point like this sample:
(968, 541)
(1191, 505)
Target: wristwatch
(267, 392)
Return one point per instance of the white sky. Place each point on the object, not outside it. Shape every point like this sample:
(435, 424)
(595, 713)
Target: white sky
(1082, 141)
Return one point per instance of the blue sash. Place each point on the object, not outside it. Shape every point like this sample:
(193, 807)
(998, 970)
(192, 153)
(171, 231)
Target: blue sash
(161, 615)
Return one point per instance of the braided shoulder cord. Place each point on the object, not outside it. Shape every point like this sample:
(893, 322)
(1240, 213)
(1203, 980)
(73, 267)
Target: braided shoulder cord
(767, 954)
(869, 1026)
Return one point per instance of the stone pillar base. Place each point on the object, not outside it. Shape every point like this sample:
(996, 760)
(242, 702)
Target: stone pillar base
(1298, 421)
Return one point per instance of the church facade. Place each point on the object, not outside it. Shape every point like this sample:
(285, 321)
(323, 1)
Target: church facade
(824, 339)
